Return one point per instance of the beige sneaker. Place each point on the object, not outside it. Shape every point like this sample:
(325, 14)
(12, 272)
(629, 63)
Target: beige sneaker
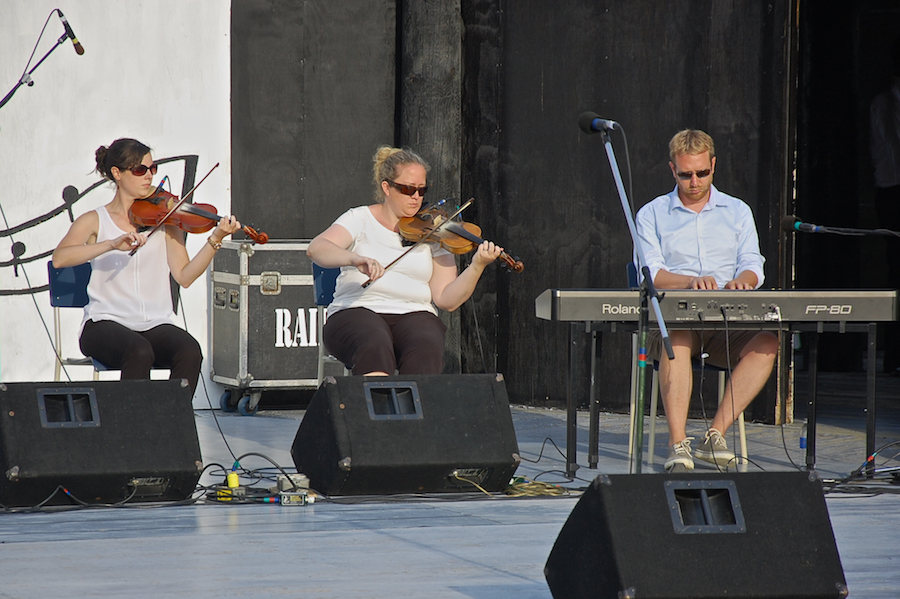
(713, 449)
(680, 454)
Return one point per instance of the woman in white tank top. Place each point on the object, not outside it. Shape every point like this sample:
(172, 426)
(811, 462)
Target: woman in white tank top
(128, 322)
(392, 324)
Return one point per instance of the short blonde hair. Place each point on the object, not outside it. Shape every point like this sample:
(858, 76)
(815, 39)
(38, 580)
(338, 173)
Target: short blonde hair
(691, 141)
(388, 161)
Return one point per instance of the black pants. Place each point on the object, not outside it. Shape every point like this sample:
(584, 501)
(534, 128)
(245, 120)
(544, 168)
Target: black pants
(135, 353)
(366, 341)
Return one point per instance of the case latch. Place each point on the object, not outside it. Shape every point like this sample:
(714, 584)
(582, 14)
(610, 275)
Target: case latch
(270, 283)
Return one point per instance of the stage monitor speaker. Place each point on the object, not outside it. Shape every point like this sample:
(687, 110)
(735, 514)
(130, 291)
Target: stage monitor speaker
(408, 434)
(103, 441)
(661, 536)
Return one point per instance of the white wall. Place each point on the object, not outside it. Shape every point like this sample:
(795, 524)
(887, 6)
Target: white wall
(155, 70)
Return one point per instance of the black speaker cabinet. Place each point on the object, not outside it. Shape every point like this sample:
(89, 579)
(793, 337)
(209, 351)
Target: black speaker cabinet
(103, 441)
(661, 536)
(407, 434)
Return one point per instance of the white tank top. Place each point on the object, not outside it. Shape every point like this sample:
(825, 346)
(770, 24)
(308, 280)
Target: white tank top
(131, 290)
(404, 288)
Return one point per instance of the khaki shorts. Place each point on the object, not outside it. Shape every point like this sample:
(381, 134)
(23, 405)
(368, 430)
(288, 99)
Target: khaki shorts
(719, 345)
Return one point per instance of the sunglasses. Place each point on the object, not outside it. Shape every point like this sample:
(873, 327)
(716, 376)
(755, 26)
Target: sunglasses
(141, 170)
(700, 174)
(408, 190)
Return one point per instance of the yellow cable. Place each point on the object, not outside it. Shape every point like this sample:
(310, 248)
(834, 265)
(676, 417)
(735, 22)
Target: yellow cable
(523, 487)
(473, 483)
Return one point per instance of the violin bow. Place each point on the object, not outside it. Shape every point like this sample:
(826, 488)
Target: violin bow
(178, 204)
(424, 239)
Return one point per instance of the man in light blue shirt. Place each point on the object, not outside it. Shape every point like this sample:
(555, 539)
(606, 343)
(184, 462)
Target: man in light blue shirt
(697, 237)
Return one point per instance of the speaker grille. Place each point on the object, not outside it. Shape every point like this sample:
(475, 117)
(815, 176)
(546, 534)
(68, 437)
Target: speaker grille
(705, 507)
(393, 400)
(68, 408)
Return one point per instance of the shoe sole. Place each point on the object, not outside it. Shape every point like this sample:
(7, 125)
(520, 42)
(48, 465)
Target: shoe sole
(679, 468)
(717, 458)
(683, 464)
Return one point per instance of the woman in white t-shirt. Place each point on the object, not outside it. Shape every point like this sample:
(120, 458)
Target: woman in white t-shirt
(128, 322)
(391, 324)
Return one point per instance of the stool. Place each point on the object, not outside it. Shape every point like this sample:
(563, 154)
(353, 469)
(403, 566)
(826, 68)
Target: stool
(740, 456)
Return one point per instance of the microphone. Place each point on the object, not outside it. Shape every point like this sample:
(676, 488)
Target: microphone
(791, 223)
(590, 122)
(79, 49)
(160, 186)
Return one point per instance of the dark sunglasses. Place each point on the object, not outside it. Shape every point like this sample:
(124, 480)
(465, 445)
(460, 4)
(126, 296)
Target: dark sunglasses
(408, 190)
(700, 174)
(141, 170)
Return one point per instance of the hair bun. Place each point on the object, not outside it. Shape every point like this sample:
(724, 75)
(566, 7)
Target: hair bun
(100, 156)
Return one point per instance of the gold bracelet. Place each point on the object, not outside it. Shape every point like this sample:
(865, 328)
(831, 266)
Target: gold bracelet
(216, 245)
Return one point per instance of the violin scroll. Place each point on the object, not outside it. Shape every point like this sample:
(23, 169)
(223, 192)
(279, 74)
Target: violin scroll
(514, 264)
(257, 236)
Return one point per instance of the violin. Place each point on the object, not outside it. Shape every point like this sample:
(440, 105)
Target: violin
(157, 213)
(457, 237)
(156, 210)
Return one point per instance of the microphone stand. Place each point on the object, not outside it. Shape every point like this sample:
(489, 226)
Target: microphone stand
(26, 78)
(649, 298)
(811, 409)
(850, 232)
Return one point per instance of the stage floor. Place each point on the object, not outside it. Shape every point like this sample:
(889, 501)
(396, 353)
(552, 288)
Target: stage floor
(438, 547)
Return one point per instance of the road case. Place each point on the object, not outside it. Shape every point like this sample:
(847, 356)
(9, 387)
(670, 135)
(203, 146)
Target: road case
(264, 329)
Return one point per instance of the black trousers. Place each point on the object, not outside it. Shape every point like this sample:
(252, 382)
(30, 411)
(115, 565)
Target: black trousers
(135, 353)
(366, 341)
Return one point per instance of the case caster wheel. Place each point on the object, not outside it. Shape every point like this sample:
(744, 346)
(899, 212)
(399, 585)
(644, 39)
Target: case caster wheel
(226, 403)
(249, 404)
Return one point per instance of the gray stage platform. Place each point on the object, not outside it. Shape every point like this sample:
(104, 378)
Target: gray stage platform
(443, 547)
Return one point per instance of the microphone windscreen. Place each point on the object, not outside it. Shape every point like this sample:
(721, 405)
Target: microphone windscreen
(787, 223)
(585, 121)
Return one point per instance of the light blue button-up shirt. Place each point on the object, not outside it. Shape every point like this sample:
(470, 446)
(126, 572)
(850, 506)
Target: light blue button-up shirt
(719, 241)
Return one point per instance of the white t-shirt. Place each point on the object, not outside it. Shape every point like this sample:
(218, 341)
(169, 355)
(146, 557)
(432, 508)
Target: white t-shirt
(134, 290)
(403, 288)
